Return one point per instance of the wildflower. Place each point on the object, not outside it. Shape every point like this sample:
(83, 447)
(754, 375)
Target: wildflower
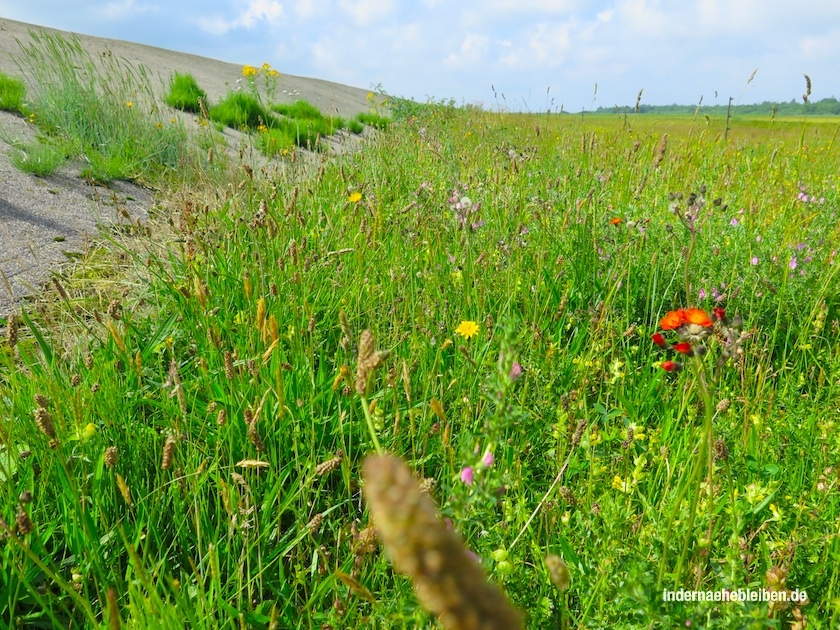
(615, 221)
(515, 371)
(89, 431)
(488, 459)
(754, 261)
(355, 197)
(129, 104)
(467, 329)
(671, 321)
(249, 71)
(659, 340)
(621, 485)
(792, 264)
(468, 475)
(701, 294)
(696, 317)
(670, 366)
(683, 347)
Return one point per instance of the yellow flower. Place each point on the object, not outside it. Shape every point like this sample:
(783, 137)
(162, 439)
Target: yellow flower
(249, 71)
(467, 329)
(266, 67)
(621, 485)
(89, 431)
(355, 197)
(129, 104)
(273, 73)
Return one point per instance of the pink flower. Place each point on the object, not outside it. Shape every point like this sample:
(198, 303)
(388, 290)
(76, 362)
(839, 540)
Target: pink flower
(467, 475)
(515, 371)
(754, 261)
(488, 459)
(792, 263)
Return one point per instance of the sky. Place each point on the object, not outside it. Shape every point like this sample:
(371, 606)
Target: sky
(519, 55)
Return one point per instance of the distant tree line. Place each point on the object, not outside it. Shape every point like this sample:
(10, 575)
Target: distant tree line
(825, 107)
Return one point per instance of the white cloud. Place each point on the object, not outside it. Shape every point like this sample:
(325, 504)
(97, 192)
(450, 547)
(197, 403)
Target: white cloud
(119, 10)
(268, 10)
(258, 10)
(365, 12)
(472, 50)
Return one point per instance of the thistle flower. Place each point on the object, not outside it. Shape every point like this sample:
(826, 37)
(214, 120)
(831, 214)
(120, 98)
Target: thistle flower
(448, 582)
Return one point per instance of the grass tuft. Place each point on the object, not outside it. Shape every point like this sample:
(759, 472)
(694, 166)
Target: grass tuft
(185, 94)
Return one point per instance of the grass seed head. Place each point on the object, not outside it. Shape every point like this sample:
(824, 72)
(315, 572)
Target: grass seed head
(111, 456)
(44, 420)
(369, 359)
(12, 331)
(448, 581)
(168, 452)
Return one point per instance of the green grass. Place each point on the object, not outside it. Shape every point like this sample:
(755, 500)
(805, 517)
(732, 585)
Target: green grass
(12, 94)
(104, 107)
(371, 119)
(241, 110)
(299, 109)
(41, 158)
(227, 376)
(185, 93)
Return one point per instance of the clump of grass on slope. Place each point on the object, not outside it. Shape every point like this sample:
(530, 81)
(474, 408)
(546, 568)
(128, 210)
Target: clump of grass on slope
(12, 93)
(240, 109)
(41, 158)
(185, 93)
(104, 107)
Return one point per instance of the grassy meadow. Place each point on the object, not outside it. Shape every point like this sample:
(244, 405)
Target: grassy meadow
(606, 346)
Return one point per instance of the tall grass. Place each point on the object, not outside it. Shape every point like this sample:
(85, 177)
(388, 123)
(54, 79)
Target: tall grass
(194, 459)
(105, 109)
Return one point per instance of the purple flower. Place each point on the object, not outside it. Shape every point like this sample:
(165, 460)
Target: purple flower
(488, 459)
(468, 475)
(734, 222)
(754, 261)
(515, 371)
(701, 294)
(792, 263)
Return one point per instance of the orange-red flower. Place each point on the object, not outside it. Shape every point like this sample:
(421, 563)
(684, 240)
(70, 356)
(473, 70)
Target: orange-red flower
(683, 347)
(670, 366)
(615, 221)
(675, 319)
(659, 340)
(697, 316)
(672, 320)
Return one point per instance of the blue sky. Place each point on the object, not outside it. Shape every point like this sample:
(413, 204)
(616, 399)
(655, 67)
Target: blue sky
(518, 54)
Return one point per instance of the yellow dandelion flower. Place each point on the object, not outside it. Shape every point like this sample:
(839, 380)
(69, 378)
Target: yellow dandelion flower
(355, 197)
(129, 104)
(467, 329)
